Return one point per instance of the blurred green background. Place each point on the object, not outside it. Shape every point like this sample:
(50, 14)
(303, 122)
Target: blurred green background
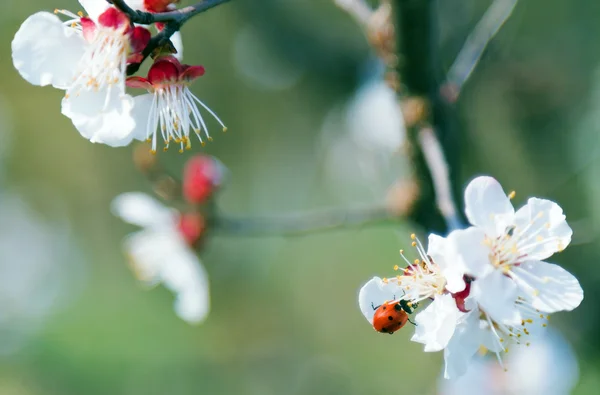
(284, 316)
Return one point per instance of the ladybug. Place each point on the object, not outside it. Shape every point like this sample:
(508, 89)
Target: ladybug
(392, 316)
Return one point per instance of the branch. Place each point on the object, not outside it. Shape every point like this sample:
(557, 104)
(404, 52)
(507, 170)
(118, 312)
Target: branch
(173, 20)
(420, 71)
(470, 54)
(440, 174)
(180, 15)
(358, 9)
(300, 223)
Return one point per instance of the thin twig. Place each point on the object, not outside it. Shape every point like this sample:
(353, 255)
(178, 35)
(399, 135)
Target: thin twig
(173, 20)
(434, 156)
(300, 223)
(358, 9)
(180, 15)
(470, 54)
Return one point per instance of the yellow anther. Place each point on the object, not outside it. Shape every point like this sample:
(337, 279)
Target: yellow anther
(536, 292)
(210, 138)
(56, 10)
(482, 350)
(541, 316)
(544, 325)
(202, 143)
(165, 149)
(501, 340)
(181, 150)
(414, 243)
(80, 13)
(539, 238)
(529, 321)
(547, 225)
(385, 280)
(540, 214)
(401, 252)
(396, 267)
(416, 262)
(528, 344)
(413, 236)
(153, 151)
(512, 195)
(224, 129)
(506, 350)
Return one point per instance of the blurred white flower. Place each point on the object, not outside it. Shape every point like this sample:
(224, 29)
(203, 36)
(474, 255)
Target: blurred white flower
(363, 140)
(374, 118)
(86, 57)
(504, 251)
(38, 269)
(548, 367)
(159, 254)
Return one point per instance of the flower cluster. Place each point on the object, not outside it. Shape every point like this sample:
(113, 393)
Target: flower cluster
(87, 57)
(488, 285)
(163, 251)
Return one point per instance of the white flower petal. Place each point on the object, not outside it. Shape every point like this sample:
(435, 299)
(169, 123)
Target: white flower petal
(463, 345)
(436, 324)
(94, 8)
(488, 338)
(496, 294)
(487, 206)
(468, 251)
(178, 44)
(541, 229)
(140, 114)
(184, 274)
(102, 116)
(163, 257)
(550, 287)
(148, 251)
(46, 52)
(374, 293)
(438, 249)
(142, 210)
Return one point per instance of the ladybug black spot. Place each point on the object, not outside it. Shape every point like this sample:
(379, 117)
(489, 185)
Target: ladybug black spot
(390, 318)
(383, 308)
(397, 307)
(384, 330)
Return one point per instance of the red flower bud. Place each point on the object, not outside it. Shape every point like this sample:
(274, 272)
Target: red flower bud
(201, 176)
(192, 226)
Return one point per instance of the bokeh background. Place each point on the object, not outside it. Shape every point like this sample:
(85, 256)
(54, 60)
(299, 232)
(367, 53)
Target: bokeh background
(287, 77)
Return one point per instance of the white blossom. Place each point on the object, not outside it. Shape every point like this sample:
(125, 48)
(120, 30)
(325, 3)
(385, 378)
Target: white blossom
(86, 56)
(159, 254)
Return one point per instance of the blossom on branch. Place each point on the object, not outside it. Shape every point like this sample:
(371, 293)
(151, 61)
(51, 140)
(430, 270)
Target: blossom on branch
(161, 253)
(170, 109)
(86, 56)
(487, 285)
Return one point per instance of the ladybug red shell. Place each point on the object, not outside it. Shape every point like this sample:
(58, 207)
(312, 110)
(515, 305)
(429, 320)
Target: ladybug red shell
(389, 317)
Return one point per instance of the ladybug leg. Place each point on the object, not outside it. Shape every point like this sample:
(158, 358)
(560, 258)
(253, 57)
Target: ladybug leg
(409, 320)
(375, 307)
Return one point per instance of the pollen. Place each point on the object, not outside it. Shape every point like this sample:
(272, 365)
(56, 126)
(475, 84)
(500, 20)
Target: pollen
(512, 195)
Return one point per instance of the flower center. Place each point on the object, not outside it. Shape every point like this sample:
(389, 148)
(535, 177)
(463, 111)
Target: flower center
(103, 64)
(174, 112)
